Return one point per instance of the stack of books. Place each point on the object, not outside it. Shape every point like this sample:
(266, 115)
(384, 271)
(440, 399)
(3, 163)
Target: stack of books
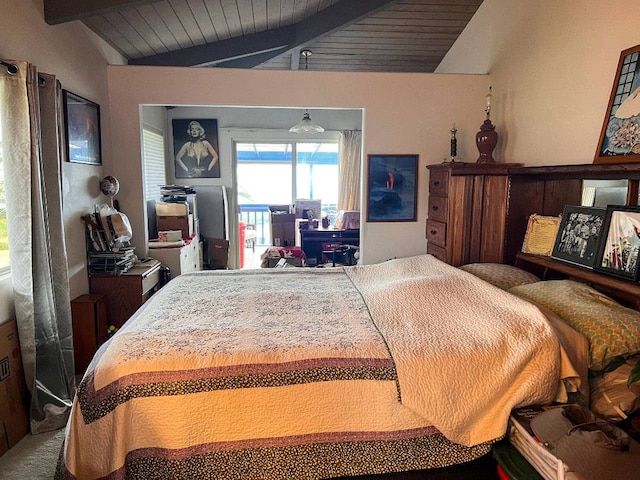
(170, 190)
(112, 262)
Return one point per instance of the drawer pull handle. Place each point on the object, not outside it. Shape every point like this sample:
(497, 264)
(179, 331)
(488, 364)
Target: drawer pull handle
(436, 183)
(434, 208)
(433, 232)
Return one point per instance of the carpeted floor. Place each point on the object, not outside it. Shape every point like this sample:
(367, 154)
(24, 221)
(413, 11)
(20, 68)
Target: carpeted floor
(33, 458)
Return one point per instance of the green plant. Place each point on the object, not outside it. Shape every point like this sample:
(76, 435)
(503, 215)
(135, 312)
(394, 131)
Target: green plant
(634, 375)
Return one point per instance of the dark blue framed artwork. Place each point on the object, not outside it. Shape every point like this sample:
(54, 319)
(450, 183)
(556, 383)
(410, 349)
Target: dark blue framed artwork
(82, 122)
(392, 188)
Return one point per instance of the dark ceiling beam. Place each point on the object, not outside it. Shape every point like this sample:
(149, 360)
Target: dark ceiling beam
(256, 44)
(323, 23)
(61, 11)
(251, 50)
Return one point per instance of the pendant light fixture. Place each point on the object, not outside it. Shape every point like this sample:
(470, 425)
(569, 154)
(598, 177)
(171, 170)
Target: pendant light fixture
(306, 125)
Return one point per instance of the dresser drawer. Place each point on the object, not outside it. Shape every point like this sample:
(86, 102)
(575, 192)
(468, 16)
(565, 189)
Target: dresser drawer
(438, 208)
(150, 280)
(437, 233)
(438, 252)
(439, 182)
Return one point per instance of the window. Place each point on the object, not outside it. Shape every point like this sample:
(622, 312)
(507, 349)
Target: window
(4, 236)
(153, 159)
(278, 173)
(317, 174)
(267, 173)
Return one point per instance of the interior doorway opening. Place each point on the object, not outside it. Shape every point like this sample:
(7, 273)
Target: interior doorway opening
(270, 173)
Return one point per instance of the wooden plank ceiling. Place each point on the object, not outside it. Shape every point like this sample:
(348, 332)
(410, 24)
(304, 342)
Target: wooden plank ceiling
(343, 35)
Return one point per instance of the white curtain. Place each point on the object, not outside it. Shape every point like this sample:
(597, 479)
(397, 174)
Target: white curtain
(31, 145)
(349, 148)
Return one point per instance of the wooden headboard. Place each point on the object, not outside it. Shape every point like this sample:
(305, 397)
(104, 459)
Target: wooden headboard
(546, 191)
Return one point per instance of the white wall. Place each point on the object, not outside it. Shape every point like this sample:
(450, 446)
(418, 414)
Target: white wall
(552, 65)
(79, 60)
(403, 113)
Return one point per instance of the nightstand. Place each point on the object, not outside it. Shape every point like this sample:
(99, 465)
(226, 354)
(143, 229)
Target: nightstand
(125, 293)
(90, 328)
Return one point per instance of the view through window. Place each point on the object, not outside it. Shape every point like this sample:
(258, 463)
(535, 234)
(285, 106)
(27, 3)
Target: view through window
(4, 237)
(278, 173)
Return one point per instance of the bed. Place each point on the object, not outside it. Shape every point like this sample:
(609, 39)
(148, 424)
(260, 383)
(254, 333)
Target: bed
(312, 373)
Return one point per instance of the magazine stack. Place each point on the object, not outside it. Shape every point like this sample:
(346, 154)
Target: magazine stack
(522, 437)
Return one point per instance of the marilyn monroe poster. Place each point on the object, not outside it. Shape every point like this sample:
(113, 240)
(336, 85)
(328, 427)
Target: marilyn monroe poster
(195, 146)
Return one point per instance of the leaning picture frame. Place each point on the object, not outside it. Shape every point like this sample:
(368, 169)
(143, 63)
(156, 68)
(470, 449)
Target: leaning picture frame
(82, 129)
(540, 234)
(392, 192)
(578, 236)
(620, 242)
(619, 141)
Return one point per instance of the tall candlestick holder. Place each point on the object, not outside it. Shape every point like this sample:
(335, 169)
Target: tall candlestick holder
(454, 143)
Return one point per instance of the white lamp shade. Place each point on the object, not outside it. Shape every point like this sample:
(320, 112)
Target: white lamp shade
(306, 125)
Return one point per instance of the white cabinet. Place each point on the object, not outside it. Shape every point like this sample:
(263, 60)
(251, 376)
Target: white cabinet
(180, 259)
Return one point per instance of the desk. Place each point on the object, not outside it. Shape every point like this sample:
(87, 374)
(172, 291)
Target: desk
(125, 293)
(314, 241)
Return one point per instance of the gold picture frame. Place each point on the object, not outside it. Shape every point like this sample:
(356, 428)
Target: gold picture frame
(540, 236)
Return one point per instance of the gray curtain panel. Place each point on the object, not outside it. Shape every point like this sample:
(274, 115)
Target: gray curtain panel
(31, 146)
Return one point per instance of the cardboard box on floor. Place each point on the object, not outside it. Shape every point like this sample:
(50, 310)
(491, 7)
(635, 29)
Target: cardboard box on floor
(217, 255)
(13, 391)
(283, 229)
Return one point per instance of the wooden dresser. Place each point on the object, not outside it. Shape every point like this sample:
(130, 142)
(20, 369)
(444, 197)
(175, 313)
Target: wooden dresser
(467, 212)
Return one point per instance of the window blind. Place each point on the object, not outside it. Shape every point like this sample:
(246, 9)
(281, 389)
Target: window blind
(154, 165)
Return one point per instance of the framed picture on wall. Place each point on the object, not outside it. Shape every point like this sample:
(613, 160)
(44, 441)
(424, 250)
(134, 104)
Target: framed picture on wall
(82, 129)
(620, 242)
(195, 147)
(578, 237)
(392, 188)
(620, 134)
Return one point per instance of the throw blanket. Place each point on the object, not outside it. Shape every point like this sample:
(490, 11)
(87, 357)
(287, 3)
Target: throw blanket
(466, 352)
(295, 373)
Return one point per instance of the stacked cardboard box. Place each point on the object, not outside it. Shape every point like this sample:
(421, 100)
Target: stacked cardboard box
(13, 392)
(283, 226)
(175, 216)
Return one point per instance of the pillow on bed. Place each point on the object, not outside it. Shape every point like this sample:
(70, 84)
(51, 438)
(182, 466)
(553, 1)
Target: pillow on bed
(612, 330)
(500, 275)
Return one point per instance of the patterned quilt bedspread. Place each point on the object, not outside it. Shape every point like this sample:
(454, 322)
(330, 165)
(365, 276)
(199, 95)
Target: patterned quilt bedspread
(309, 373)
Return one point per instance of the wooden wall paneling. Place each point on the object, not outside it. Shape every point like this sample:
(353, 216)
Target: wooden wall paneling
(558, 193)
(494, 212)
(458, 230)
(526, 196)
(477, 210)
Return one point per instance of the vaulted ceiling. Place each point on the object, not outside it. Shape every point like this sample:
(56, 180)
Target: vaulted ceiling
(343, 35)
